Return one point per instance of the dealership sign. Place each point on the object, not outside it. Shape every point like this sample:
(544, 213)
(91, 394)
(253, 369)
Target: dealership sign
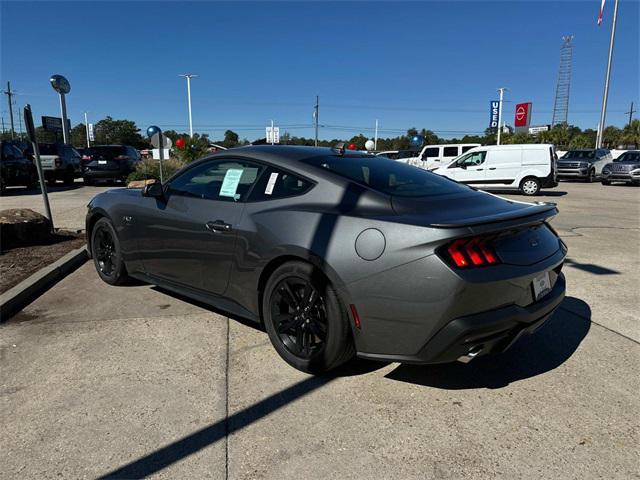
(54, 124)
(494, 107)
(539, 128)
(523, 115)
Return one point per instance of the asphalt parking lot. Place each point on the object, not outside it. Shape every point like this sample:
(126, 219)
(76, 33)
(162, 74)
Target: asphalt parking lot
(131, 381)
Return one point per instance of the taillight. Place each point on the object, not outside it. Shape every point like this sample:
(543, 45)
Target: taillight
(86, 158)
(471, 252)
(121, 157)
(58, 162)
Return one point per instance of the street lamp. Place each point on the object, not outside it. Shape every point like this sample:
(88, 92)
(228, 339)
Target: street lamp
(61, 85)
(189, 76)
(501, 90)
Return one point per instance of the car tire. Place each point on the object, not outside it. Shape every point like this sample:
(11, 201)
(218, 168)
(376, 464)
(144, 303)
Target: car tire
(68, 179)
(51, 182)
(107, 254)
(591, 176)
(605, 182)
(87, 181)
(307, 323)
(530, 186)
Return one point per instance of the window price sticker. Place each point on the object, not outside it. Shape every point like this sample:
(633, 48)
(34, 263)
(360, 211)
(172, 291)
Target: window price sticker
(271, 183)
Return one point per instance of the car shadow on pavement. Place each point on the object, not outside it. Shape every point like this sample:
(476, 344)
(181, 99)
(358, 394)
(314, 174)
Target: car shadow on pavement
(548, 348)
(590, 267)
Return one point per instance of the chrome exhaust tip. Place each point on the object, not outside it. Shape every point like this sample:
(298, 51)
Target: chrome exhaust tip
(473, 353)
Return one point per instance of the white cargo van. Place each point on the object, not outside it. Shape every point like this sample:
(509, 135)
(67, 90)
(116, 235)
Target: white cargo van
(527, 168)
(434, 156)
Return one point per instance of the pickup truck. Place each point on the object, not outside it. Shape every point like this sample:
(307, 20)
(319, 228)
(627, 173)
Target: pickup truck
(59, 162)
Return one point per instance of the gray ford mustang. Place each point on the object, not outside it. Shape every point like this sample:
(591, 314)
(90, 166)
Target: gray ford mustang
(338, 253)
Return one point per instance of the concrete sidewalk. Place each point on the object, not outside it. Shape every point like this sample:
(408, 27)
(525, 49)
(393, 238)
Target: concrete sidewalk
(129, 380)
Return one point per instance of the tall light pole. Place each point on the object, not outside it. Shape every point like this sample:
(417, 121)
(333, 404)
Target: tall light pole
(501, 90)
(316, 113)
(189, 76)
(605, 96)
(375, 137)
(61, 85)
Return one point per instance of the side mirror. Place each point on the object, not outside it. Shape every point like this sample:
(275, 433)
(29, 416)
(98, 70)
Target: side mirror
(153, 190)
(463, 166)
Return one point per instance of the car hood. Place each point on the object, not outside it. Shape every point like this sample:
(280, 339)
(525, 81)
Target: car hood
(465, 209)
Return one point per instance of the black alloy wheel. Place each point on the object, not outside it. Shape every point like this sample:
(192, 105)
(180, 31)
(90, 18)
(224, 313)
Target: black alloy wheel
(307, 323)
(299, 316)
(107, 257)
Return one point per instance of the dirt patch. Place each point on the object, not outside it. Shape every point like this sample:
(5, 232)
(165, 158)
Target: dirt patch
(18, 263)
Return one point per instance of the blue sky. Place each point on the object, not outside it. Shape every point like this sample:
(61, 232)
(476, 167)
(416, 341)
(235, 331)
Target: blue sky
(419, 64)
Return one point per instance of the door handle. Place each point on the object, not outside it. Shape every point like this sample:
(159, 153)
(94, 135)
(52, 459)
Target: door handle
(479, 169)
(218, 226)
(492, 168)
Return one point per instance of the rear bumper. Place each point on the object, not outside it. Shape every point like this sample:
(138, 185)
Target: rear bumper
(121, 173)
(492, 331)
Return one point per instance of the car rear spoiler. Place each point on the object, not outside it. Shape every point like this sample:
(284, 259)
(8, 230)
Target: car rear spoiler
(538, 212)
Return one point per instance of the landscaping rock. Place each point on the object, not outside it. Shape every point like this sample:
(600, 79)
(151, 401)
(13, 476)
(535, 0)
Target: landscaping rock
(21, 227)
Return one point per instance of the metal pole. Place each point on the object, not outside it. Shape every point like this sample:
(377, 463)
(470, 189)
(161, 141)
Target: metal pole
(28, 120)
(375, 137)
(605, 96)
(272, 133)
(86, 128)
(161, 153)
(189, 100)
(20, 123)
(10, 94)
(501, 90)
(317, 112)
(63, 111)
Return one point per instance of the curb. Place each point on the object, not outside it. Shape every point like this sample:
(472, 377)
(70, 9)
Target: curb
(18, 297)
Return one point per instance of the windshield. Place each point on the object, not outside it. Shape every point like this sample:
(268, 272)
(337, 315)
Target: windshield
(580, 154)
(386, 176)
(629, 157)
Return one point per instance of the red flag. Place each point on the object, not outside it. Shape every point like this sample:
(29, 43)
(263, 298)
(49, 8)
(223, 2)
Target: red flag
(600, 15)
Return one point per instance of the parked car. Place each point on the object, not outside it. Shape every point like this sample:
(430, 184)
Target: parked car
(584, 164)
(59, 162)
(109, 162)
(401, 155)
(338, 253)
(15, 168)
(625, 168)
(527, 168)
(434, 156)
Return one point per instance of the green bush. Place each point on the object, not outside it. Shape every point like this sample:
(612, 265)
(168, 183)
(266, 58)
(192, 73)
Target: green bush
(149, 168)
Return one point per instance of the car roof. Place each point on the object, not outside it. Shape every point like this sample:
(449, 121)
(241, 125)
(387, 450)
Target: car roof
(286, 156)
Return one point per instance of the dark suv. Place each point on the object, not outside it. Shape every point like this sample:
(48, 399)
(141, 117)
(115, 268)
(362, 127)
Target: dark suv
(625, 168)
(585, 164)
(15, 168)
(109, 162)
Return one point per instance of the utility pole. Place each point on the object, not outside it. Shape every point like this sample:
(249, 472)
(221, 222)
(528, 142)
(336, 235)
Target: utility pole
(605, 96)
(630, 112)
(86, 129)
(10, 94)
(501, 90)
(316, 113)
(375, 137)
(189, 76)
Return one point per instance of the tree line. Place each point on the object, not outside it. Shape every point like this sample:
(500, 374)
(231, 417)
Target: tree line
(112, 131)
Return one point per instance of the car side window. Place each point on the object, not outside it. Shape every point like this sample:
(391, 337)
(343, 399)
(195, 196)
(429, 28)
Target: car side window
(275, 183)
(227, 180)
(471, 159)
(431, 152)
(450, 152)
